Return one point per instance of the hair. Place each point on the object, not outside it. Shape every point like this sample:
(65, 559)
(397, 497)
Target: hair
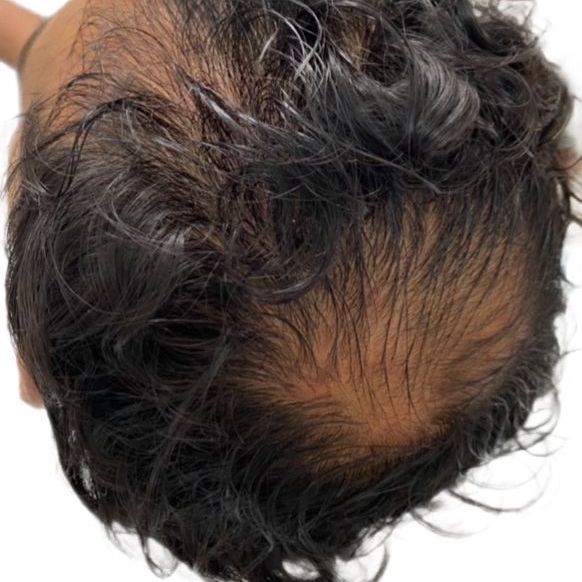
(222, 181)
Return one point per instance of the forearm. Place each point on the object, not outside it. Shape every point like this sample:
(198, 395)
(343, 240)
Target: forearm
(16, 26)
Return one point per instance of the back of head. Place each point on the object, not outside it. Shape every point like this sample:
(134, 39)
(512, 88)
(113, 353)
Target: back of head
(296, 273)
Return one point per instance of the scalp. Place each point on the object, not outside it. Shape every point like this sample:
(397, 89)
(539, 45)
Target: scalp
(284, 271)
(393, 358)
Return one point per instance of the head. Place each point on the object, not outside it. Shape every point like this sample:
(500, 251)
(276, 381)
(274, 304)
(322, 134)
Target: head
(281, 272)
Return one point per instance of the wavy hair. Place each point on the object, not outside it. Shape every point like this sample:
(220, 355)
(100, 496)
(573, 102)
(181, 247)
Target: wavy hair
(186, 216)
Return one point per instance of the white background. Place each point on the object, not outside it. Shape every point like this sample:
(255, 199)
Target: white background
(46, 534)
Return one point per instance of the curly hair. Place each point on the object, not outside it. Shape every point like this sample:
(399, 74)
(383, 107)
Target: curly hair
(284, 270)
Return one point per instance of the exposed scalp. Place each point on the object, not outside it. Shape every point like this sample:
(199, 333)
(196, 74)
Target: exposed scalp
(382, 177)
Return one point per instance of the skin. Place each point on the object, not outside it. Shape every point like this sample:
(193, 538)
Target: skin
(49, 61)
(51, 58)
(16, 26)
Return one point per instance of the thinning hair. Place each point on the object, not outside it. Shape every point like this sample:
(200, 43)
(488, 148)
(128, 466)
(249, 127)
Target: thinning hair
(285, 270)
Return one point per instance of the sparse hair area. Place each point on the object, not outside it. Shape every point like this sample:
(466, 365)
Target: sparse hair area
(283, 271)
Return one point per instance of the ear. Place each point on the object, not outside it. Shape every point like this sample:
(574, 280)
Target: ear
(28, 391)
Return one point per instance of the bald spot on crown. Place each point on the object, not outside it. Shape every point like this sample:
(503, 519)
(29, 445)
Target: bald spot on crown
(390, 379)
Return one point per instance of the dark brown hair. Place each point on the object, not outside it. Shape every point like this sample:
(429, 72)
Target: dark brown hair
(186, 217)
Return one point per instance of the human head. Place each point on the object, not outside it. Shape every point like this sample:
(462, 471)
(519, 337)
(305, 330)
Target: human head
(284, 271)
